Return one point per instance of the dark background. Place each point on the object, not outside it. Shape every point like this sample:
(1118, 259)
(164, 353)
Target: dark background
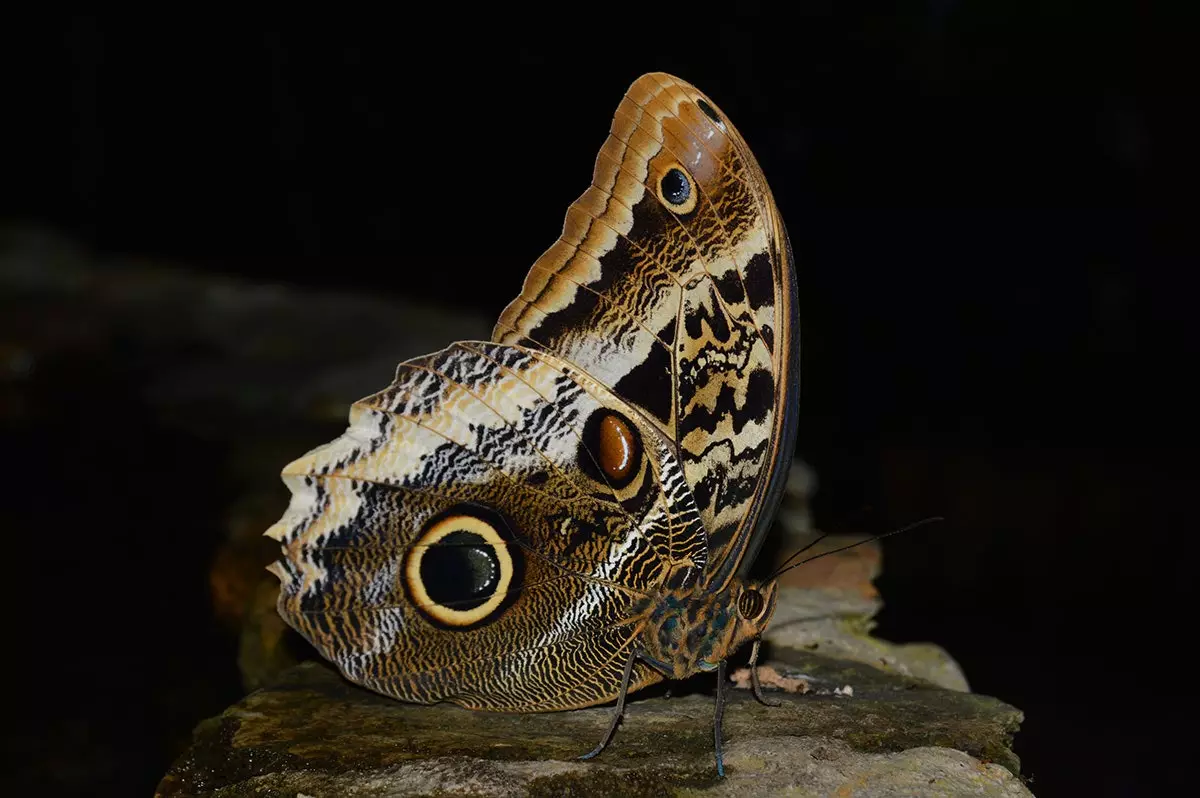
(976, 197)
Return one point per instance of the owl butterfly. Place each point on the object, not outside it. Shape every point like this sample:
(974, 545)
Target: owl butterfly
(566, 513)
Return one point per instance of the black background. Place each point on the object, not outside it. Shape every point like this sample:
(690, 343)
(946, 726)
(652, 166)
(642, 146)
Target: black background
(975, 194)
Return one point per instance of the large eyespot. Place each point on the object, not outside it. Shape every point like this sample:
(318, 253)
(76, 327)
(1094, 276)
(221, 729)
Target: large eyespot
(751, 604)
(460, 572)
(676, 190)
(711, 113)
(613, 444)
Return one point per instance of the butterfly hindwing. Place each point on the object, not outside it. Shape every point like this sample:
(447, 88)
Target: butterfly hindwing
(470, 539)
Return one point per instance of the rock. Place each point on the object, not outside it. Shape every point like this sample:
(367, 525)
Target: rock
(223, 355)
(313, 733)
(827, 605)
(838, 624)
(239, 363)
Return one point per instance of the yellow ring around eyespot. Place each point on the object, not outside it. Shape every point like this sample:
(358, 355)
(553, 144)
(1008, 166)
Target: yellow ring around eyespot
(688, 204)
(458, 523)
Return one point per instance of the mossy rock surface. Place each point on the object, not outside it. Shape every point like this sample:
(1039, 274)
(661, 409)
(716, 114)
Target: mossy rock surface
(314, 734)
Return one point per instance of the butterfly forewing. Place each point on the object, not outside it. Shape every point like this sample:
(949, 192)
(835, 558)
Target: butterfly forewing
(672, 284)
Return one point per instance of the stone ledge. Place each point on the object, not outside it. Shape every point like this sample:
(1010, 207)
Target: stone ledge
(312, 733)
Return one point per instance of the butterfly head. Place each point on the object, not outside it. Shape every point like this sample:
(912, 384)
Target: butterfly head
(750, 607)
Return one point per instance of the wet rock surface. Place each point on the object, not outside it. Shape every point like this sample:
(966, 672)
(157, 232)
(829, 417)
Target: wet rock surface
(859, 730)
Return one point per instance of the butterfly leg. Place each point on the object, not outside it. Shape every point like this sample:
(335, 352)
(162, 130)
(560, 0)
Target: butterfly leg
(620, 710)
(717, 720)
(758, 694)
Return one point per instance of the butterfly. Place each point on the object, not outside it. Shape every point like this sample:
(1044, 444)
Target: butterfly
(566, 513)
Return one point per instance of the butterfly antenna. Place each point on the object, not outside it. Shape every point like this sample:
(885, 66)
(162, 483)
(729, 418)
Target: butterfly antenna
(785, 568)
(796, 554)
(821, 536)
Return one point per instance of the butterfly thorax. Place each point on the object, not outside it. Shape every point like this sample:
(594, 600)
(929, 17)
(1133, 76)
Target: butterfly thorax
(692, 629)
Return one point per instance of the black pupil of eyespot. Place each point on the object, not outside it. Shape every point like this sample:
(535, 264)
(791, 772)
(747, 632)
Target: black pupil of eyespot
(460, 571)
(708, 111)
(675, 187)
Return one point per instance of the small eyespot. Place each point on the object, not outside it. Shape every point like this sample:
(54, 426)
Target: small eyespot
(676, 190)
(711, 113)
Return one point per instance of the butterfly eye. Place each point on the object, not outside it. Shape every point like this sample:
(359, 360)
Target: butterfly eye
(613, 444)
(711, 113)
(459, 571)
(675, 190)
(750, 604)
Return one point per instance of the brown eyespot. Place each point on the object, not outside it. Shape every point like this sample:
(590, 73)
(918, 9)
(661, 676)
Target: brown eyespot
(460, 571)
(751, 604)
(617, 447)
(612, 444)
